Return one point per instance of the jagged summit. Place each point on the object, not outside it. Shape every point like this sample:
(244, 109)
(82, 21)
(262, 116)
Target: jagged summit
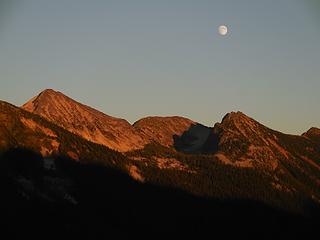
(238, 123)
(234, 115)
(237, 117)
(43, 98)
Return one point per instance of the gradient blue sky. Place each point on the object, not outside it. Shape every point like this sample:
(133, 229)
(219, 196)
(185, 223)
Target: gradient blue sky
(133, 58)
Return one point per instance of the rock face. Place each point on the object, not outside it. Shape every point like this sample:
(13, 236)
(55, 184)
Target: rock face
(86, 122)
(164, 129)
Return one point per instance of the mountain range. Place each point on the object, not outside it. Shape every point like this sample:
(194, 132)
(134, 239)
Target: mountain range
(238, 158)
(238, 140)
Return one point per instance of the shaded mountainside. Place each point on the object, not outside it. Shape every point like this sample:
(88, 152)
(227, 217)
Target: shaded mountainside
(85, 121)
(85, 201)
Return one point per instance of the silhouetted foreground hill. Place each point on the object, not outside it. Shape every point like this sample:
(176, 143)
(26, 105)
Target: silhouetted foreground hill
(74, 200)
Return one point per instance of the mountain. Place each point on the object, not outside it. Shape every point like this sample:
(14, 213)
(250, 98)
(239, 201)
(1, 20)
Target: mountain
(163, 129)
(172, 170)
(112, 132)
(20, 129)
(243, 140)
(85, 121)
(290, 163)
(238, 140)
(158, 142)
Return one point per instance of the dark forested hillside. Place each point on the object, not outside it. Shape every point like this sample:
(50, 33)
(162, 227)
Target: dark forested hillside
(76, 200)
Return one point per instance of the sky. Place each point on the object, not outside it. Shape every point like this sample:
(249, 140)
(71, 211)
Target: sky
(135, 58)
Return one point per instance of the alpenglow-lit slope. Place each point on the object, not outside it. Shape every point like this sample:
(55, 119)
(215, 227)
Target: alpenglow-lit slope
(86, 122)
(20, 129)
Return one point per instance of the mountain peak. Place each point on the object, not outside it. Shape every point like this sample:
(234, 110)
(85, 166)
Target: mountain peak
(45, 97)
(238, 120)
(85, 121)
(49, 92)
(235, 116)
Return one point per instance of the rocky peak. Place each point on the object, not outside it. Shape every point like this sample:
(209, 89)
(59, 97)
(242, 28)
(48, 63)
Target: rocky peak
(85, 121)
(237, 123)
(44, 98)
(237, 118)
(244, 140)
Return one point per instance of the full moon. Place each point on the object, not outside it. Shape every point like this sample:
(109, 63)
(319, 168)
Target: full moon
(223, 30)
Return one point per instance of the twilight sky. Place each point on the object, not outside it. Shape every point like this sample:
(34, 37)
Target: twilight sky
(133, 58)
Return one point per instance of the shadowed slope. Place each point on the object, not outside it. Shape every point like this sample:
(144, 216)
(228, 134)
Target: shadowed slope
(80, 201)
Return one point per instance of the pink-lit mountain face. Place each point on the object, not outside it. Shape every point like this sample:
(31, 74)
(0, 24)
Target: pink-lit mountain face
(86, 122)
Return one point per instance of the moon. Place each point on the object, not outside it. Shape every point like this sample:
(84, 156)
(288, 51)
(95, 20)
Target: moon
(223, 30)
